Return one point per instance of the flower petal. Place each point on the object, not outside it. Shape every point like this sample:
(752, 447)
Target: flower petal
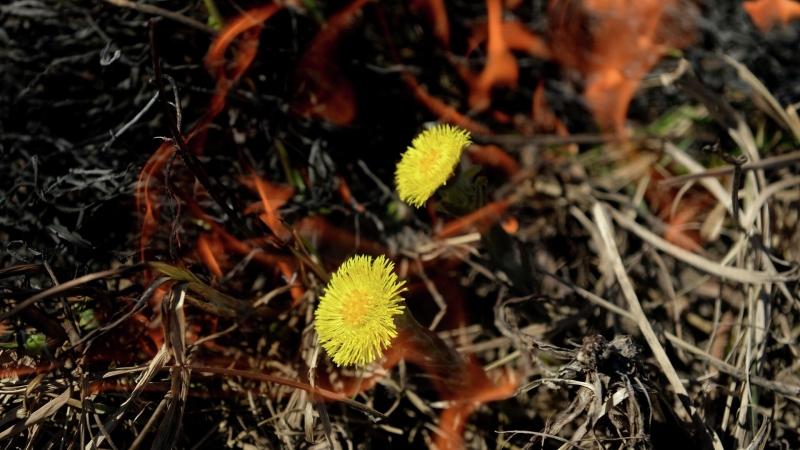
(429, 162)
(354, 319)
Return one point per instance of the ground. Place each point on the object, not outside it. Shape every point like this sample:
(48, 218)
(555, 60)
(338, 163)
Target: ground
(612, 263)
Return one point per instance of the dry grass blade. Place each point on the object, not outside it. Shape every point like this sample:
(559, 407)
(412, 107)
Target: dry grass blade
(782, 388)
(766, 163)
(22, 269)
(712, 184)
(219, 303)
(437, 297)
(39, 415)
(153, 368)
(759, 442)
(567, 444)
(175, 332)
(265, 176)
(763, 196)
(604, 226)
(155, 10)
(63, 287)
(706, 265)
(149, 425)
(140, 303)
(749, 217)
(174, 325)
(776, 110)
(295, 384)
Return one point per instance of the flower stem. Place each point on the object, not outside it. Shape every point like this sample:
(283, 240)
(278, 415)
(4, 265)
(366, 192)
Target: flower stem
(423, 347)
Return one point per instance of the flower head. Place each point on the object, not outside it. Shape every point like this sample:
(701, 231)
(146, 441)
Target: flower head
(354, 319)
(429, 162)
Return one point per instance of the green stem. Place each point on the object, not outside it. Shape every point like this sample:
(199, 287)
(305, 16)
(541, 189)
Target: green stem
(214, 13)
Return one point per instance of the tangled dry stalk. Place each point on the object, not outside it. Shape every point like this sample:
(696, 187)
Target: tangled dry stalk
(582, 290)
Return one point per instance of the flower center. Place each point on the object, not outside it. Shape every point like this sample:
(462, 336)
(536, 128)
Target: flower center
(354, 308)
(427, 161)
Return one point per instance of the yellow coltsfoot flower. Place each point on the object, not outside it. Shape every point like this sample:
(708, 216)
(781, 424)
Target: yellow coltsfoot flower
(355, 316)
(429, 162)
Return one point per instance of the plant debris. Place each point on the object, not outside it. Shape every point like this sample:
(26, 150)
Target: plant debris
(180, 180)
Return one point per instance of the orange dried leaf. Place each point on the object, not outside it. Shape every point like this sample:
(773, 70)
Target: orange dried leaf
(148, 197)
(501, 66)
(767, 14)
(347, 196)
(248, 47)
(510, 225)
(272, 198)
(677, 234)
(215, 58)
(494, 157)
(445, 112)
(437, 15)
(333, 241)
(325, 92)
(479, 221)
(613, 44)
(232, 244)
(517, 37)
(206, 255)
(289, 274)
(482, 390)
(544, 120)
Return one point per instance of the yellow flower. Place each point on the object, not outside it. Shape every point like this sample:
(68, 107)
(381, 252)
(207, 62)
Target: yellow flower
(354, 319)
(429, 162)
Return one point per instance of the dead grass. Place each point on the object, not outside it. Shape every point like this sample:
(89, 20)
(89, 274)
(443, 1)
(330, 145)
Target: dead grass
(605, 292)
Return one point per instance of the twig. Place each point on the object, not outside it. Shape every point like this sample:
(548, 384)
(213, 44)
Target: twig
(191, 161)
(143, 433)
(55, 290)
(544, 435)
(775, 108)
(437, 297)
(740, 275)
(291, 383)
(604, 226)
(124, 128)
(717, 107)
(737, 162)
(767, 163)
(387, 193)
(587, 139)
(782, 388)
(156, 11)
